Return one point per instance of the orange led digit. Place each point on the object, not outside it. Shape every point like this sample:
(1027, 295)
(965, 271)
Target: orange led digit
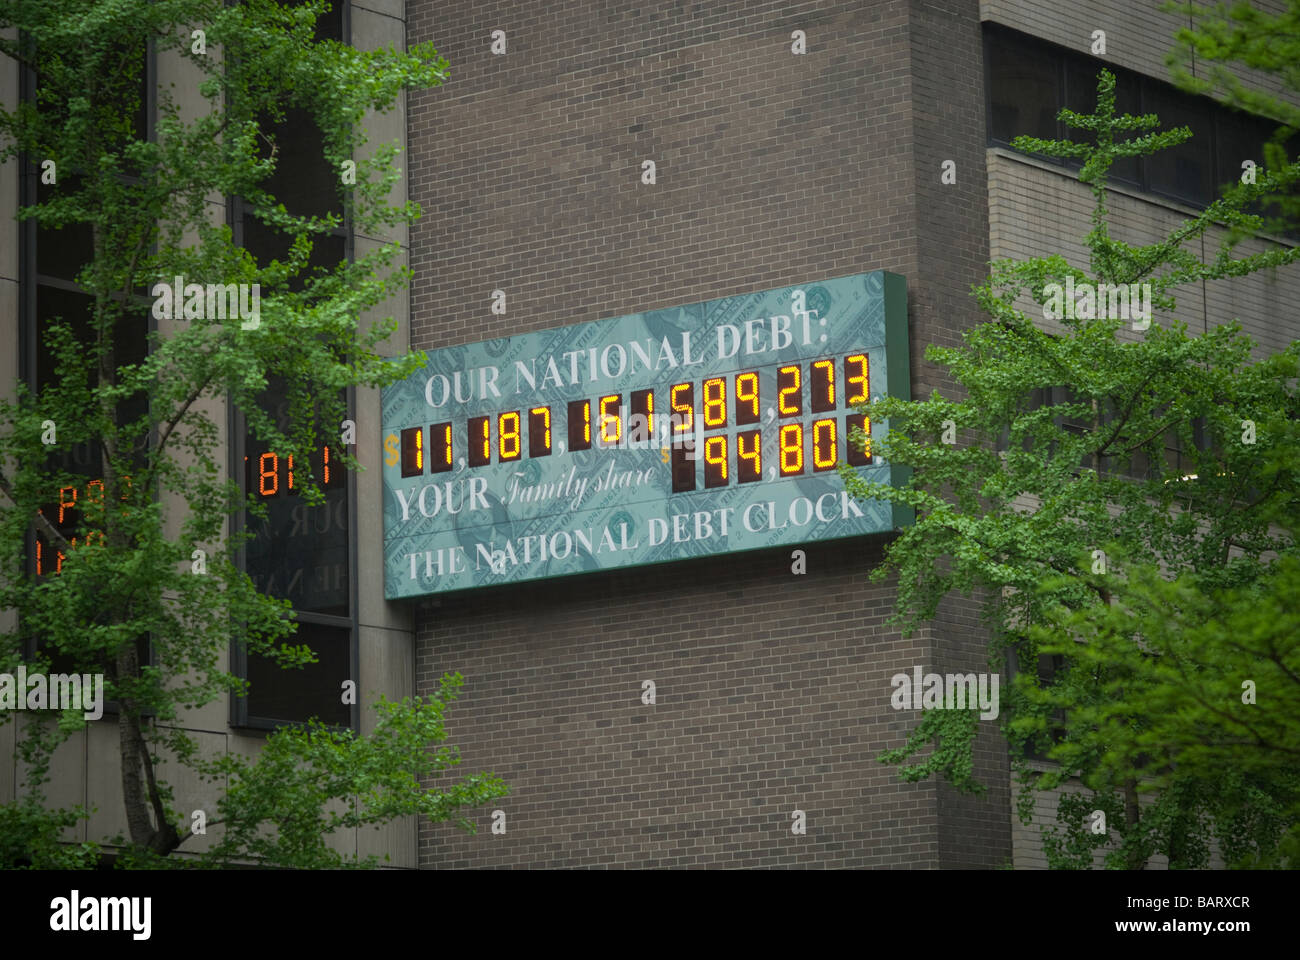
(479, 436)
(857, 456)
(749, 463)
(611, 415)
(823, 386)
(640, 428)
(825, 445)
(789, 387)
(64, 502)
(325, 464)
(856, 384)
(746, 398)
(682, 399)
(412, 449)
(539, 432)
(715, 461)
(509, 444)
(715, 403)
(291, 471)
(263, 473)
(440, 447)
(791, 449)
(580, 425)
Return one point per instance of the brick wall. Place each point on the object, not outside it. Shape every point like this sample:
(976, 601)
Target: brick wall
(773, 169)
(952, 254)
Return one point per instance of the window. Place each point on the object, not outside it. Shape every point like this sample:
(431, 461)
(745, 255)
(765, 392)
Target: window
(303, 180)
(1050, 666)
(51, 260)
(1081, 97)
(1038, 398)
(1184, 172)
(1180, 460)
(304, 554)
(1024, 89)
(305, 184)
(301, 553)
(1030, 79)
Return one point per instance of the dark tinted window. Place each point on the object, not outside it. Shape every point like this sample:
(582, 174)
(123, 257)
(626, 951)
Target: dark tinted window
(299, 552)
(1028, 78)
(1081, 96)
(303, 180)
(1185, 172)
(1241, 137)
(303, 554)
(63, 250)
(329, 26)
(266, 244)
(1024, 89)
(315, 690)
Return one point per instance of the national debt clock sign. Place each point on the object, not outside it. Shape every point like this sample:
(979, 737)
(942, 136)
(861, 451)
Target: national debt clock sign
(687, 432)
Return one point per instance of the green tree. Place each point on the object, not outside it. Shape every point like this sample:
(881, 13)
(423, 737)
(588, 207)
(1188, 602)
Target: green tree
(1215, 683)
(1065, 477)
(1221, 40)
(127, 575)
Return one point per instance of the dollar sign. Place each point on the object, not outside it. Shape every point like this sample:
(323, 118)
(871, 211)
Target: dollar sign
(391, 456)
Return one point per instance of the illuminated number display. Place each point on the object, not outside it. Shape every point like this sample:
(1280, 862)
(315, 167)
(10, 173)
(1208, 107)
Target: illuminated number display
(602, 422)
(856, 381)
(580, 425)
(270, 474)
(749, 456)
(479, 440)
(611, 419)
(440, 448)
(822, 386)
(791, 449)
(412, 443)
(539, 432)
(715, 403)
(65, 521)
(855, 455)
(825, 449)
(682, 401)
(510, 444)
(715, 462)
(641, 427)
(789, 392)
(747, 402)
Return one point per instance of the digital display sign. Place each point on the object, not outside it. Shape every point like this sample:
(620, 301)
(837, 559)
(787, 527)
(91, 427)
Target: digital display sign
(691, 431)
(298, 551)
(66, 517)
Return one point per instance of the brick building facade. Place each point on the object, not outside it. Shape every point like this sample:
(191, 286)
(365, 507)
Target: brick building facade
(773, 169)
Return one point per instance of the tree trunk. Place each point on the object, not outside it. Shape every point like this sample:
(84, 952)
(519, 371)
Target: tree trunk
(130, 745)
